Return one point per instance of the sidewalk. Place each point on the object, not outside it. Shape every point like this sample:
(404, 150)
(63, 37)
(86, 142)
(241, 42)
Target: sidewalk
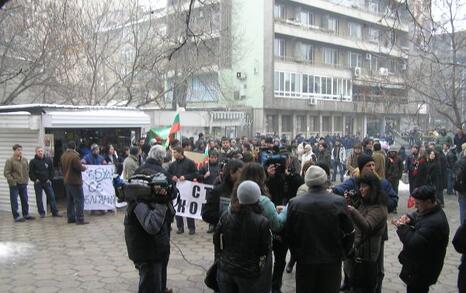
(49, 255)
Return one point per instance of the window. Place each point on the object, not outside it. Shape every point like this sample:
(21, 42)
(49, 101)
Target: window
(279, 47)
(332, 24)
(355, 30)
(276, 81)
(203, 88)
(287, 123)
(330, 56)
(326, 126)
(272, 123)
(373, 35)
(315, 123)
(279, 11)
(374, 64)
(306, 17)
(317, 84)
(354, 60)
(287, 84)
(301, 123)
(374, 6)
(338, 123)
(305, 83)
(305, 52)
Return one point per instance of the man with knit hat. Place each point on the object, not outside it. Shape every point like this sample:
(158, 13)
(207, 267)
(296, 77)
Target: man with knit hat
(366, 165)
(318, 254)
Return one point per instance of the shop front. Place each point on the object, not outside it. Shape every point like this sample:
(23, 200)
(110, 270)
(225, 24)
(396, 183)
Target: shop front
(52, 126)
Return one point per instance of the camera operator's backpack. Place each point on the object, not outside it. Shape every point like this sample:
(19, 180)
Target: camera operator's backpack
(460, 176)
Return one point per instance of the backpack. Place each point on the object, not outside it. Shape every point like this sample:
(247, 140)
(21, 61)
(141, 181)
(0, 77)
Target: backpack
(460, 176)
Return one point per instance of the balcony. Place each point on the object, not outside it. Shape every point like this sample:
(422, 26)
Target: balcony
(364, 13)
(297, 30)
(381, 78)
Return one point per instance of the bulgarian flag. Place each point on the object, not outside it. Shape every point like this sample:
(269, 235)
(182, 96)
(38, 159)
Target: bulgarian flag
(176, 126)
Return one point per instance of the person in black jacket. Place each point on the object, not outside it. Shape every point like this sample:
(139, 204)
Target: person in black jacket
(243, 239)
(424, 235)
(213, 209)
(434, 174)
(147, 230)
(318, 254)
(459, 242)
(41, 173)
(182, 169)
(210, 171)
(450, 153)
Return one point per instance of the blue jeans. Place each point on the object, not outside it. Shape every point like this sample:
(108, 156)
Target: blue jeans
(150, 277)
(462, 205)
(22, 190)
(75, 202)
(336, 166)
(450, 180)
(47, 187)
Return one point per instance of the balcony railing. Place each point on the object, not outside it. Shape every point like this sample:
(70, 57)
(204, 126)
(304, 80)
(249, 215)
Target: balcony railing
(291, 59)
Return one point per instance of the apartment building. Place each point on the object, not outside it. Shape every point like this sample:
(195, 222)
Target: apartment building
(306, 66)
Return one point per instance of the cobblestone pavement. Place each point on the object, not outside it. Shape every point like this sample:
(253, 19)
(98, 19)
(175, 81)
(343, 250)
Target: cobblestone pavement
(49, 255)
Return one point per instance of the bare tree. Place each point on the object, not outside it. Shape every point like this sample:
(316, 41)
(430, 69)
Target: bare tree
(437, 57)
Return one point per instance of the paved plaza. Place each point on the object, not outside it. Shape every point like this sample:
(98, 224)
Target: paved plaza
(48, 255)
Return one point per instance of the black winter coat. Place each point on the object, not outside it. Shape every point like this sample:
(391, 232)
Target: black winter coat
(41, 169)
(451, 159)
(459, 242)
(246, 241)
(324, 214)
(143, 246)
(425, 242)
(214, 170)
(433, 175)
(184, 167)
(211, 209)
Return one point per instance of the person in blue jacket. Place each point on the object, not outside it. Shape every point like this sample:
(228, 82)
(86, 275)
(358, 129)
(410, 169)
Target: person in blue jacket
(366, 165)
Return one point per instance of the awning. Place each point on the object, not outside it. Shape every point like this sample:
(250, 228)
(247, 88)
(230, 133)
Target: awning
(95, 119)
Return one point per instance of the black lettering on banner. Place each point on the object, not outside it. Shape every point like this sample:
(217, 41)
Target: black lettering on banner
(196, 191)
(193, 208)
(207, 189)
(181, 206)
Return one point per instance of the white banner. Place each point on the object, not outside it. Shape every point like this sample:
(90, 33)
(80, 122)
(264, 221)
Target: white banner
(99, 193)
(192, 196)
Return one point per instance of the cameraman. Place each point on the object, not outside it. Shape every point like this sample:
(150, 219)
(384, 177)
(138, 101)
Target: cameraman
(147, 229)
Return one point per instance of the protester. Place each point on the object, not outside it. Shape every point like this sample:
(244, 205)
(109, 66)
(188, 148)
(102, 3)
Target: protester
(16, 172)
(459, 242)
(218, 199)
(131, 163)
(352, 160)
(370, 219)
(424, 235)
(318, 254)
(72, 177)
(450, 154)
(41, 173)
(379, 159)
(94, 158)
(210, 171)
(393, 168)
(180, 170)
(459, 139)
(147, 229)
(417, 168)
(240, 266)
(338, 159)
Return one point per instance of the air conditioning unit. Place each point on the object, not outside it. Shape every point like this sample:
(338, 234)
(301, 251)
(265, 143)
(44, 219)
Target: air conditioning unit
(383, 71)
(404, 66)
(241, 75)
(357, 71)
(312, 101)
(368, 56)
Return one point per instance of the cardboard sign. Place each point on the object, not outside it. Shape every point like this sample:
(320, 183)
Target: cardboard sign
(192, 198)
(99, 193)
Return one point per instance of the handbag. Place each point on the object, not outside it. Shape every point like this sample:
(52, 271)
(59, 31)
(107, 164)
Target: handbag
(211, 277)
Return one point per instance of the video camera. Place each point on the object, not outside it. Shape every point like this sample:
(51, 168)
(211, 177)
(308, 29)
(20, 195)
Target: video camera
(147, 188)
(277, 158)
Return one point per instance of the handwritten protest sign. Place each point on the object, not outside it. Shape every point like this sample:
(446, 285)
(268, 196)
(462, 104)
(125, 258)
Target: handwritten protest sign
(193, 197)
(99, 193)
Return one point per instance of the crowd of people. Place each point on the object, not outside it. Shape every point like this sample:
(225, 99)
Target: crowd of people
(266, 192)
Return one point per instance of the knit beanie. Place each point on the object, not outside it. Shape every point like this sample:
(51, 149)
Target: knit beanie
(363, 160)
(315, 176)
(248, 192)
